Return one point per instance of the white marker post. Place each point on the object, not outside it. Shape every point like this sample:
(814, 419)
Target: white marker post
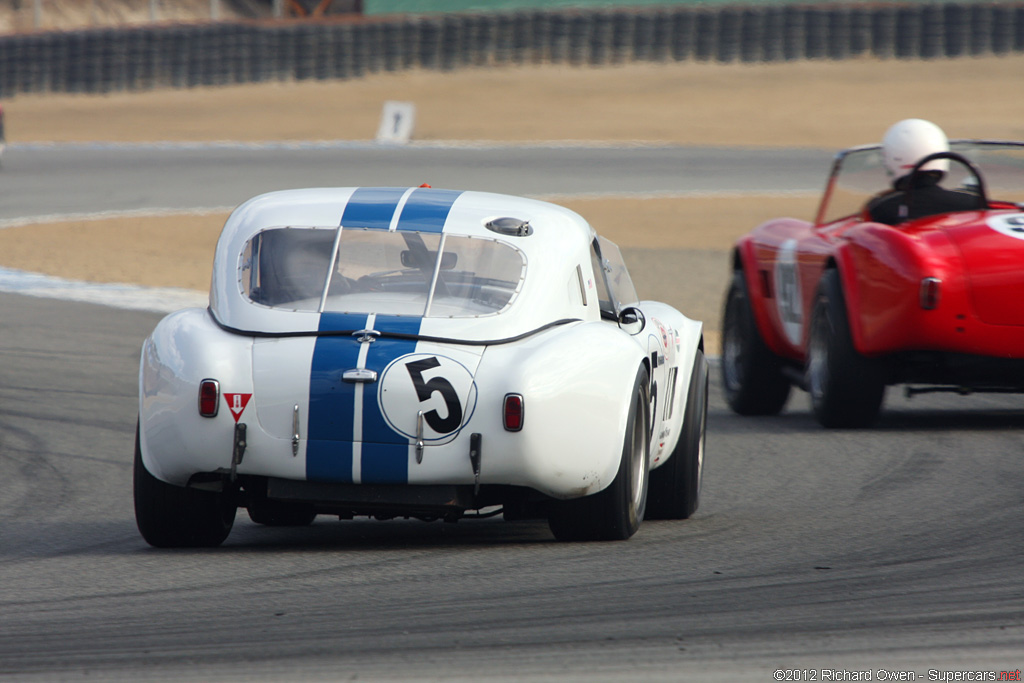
(396, 122)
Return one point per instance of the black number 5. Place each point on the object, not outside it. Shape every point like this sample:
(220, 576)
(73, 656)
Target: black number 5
(426, 388)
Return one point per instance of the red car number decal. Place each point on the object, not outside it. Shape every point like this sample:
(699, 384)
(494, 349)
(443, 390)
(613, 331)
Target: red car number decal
(787, 292)
(1011, 225)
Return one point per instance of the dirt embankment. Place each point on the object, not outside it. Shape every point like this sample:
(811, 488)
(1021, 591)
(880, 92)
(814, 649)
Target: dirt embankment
(807, 104)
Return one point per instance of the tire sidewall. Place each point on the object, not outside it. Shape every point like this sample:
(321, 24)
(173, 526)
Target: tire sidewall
(752, 376)
(735, 347)
(635, 504)
(696, 436)
(819, 352)
(846, 388)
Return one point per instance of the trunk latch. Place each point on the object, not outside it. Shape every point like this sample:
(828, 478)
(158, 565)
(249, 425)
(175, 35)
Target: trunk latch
(359, 376)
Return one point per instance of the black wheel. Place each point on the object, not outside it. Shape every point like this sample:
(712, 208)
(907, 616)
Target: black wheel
(277, 513)
(846, 388)
(171, 516)
(751, 374)
(615, 513)
(675, 486)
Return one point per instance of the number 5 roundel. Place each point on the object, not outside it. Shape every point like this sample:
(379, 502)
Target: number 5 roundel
(443, 388)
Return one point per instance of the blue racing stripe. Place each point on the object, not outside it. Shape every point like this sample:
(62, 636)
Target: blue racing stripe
(329, 451)
(385, 463)
(372, 207)
(341, 322)
(331, 401)
(385, 458)
(427, 209)
(397, 324)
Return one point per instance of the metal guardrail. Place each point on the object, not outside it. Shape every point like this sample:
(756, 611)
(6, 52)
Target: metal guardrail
(108, 60)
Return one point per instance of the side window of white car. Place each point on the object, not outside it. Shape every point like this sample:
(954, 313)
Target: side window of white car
(287, 267)
(619, 281)
(615, 287)
(604, 298)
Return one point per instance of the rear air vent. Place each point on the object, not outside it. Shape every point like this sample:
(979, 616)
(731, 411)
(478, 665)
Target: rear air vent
(513, 227)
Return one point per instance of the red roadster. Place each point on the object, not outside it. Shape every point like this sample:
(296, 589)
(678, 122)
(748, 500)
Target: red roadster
(843, 306)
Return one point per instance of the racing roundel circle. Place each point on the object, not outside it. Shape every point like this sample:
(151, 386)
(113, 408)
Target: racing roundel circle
(788, 297)
(442, 387)
(1011, 225)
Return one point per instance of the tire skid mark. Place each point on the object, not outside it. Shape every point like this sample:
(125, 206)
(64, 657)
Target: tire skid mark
(919, 467)
(34, 483)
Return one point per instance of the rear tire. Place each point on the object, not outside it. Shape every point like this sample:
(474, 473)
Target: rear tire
(675, 486)
(615, 513)
(171, 516)
(846, 388)
(751, 374)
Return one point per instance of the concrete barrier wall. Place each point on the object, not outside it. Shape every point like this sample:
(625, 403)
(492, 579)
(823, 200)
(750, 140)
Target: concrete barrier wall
(108, 60)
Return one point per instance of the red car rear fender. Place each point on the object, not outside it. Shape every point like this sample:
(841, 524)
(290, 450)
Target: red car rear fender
(881, 269)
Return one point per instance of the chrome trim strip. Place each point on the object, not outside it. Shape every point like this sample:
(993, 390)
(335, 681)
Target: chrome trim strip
(583, 289)
(419, 436)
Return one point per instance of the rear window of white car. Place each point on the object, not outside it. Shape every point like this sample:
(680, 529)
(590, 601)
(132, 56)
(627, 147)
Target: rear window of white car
(376, 271)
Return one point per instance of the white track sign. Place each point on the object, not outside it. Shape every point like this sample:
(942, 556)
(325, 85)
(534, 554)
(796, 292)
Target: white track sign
(396, 122)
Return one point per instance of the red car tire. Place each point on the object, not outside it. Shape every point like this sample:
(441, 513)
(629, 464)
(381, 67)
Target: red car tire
(751, 374)
(846, 387)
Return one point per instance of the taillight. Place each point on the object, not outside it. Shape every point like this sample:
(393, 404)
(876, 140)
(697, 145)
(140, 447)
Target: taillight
(929, 296)
(513, 412)
(209, 397)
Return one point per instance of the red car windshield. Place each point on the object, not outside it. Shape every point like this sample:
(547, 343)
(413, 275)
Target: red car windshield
(859, 174)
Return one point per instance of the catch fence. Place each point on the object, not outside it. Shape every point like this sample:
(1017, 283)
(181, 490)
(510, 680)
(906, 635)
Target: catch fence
(180, 56)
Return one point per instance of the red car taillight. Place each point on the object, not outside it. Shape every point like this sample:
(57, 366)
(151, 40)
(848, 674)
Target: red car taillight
(929, 295)
(209, 397)
(513, 412)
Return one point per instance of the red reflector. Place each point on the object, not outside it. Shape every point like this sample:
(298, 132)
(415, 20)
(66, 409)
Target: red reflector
(513, 412)
(209, 397)
(930, 293)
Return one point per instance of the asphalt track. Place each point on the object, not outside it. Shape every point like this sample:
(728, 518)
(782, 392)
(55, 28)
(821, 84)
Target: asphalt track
(69, 179)
(887, 550)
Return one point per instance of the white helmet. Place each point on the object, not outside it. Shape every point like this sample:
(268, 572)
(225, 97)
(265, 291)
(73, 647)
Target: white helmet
(911, 140)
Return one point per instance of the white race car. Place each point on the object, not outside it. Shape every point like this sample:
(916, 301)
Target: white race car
(423, 353)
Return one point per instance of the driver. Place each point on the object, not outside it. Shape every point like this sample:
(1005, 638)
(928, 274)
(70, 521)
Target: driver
(904, 144)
